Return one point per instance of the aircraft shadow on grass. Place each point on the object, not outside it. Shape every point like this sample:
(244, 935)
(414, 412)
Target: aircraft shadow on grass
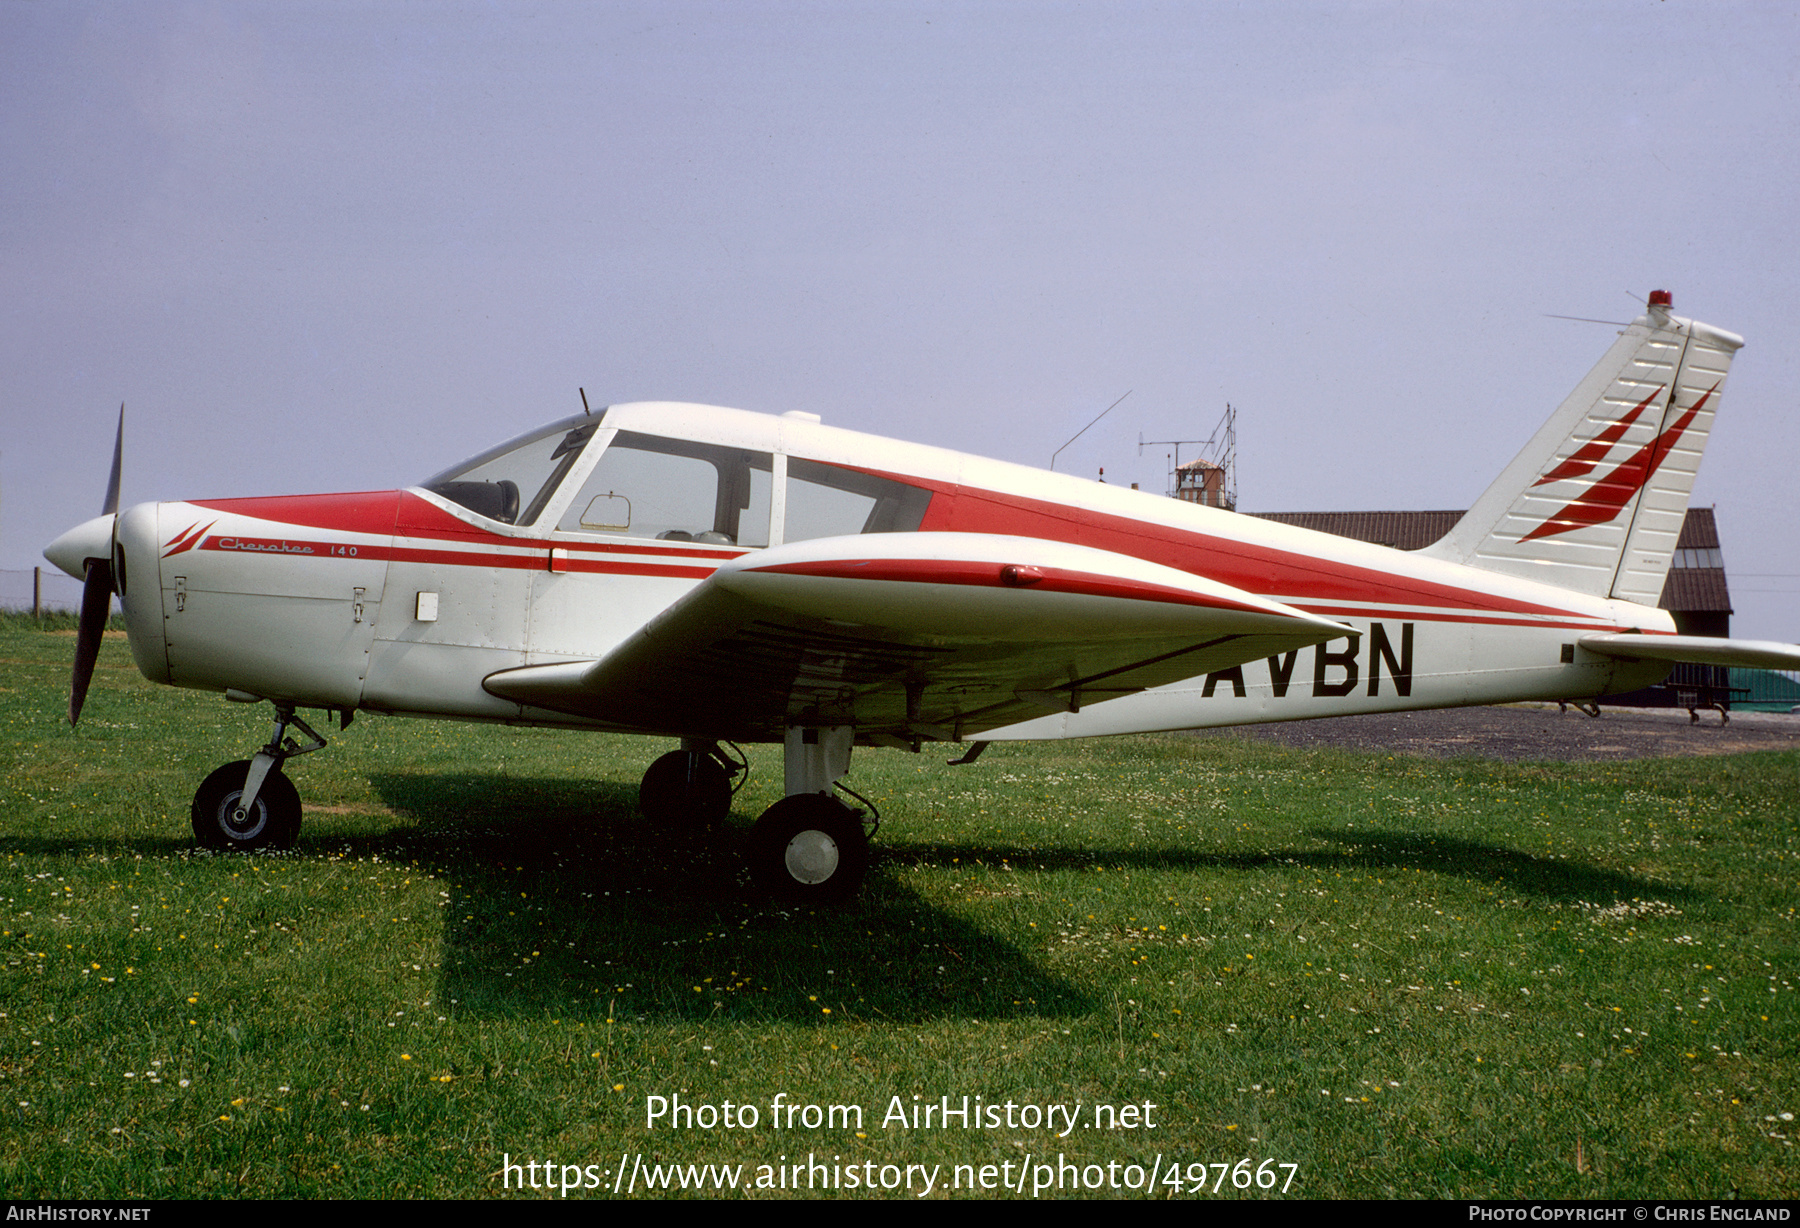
(1547, 878)
(564, 896)
(564, 899)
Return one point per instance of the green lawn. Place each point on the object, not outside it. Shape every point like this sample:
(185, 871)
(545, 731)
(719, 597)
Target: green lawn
(1397, 977)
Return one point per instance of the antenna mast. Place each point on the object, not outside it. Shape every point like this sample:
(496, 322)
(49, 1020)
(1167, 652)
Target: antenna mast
(1084, 430)
(1212, 479)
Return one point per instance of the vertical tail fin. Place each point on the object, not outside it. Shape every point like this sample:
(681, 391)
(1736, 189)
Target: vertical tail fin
(1595, 501)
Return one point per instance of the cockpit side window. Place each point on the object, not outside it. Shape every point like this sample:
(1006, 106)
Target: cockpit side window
(829, 501)
(675, 490)
(513, 482)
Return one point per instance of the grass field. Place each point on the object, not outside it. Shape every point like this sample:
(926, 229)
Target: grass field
(1370, 976)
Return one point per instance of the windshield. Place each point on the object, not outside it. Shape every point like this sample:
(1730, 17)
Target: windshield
(513, 482)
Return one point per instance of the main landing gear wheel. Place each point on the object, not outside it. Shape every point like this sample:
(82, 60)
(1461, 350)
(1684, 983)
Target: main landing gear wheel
(272, 822)
(685, 789)
(809, 848)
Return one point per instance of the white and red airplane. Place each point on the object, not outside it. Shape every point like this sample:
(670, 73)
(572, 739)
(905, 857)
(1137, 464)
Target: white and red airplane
(720, 576)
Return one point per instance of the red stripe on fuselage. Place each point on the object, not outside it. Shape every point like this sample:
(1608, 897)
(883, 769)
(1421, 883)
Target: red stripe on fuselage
(401, 513)
(289, 548)
(367, 511)
(989, 575)
(420, 518)
(540, 562)
(1440, 616)
(1263, 570)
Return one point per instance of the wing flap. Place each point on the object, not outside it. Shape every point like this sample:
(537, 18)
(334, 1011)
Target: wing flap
(913, 635)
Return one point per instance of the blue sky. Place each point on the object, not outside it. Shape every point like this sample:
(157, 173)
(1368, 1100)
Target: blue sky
(339, 246)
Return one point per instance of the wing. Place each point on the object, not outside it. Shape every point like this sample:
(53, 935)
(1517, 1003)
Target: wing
(911, 636)
(1698, 649)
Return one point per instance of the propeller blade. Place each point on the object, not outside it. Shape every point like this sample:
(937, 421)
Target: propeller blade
(97, 589)
(96, 604)
(112, 486)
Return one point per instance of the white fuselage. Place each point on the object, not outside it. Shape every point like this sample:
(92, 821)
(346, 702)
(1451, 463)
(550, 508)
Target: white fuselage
(404, 601)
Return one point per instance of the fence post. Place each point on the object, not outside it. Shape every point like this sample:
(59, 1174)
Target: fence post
(37, 592)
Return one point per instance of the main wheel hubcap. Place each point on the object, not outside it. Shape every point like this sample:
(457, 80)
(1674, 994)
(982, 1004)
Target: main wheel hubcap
(811, 858)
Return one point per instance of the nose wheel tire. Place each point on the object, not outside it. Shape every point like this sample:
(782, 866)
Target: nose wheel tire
(809, 848)
(683, 789)
(272, 822)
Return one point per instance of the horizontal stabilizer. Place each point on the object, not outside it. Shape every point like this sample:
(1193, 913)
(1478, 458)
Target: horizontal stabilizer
(1697, 650)
(913, 635)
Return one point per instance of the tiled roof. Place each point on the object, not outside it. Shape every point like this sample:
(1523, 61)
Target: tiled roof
(1699, 531)
(1696, 589)
(1400, 530)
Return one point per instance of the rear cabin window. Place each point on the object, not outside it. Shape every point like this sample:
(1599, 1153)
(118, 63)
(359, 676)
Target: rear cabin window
(826, 501)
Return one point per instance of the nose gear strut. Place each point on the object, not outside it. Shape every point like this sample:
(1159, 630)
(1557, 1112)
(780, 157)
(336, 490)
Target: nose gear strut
(279, 749)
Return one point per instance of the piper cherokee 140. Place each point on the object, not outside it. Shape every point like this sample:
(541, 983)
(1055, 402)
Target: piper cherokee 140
(717, 576)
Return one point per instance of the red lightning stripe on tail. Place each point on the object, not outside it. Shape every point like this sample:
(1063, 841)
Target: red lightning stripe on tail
(1594, 450)
(1612, 491)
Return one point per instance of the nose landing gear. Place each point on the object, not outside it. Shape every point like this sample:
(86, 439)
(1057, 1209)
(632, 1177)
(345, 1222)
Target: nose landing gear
(223, 821)
(251, 804)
